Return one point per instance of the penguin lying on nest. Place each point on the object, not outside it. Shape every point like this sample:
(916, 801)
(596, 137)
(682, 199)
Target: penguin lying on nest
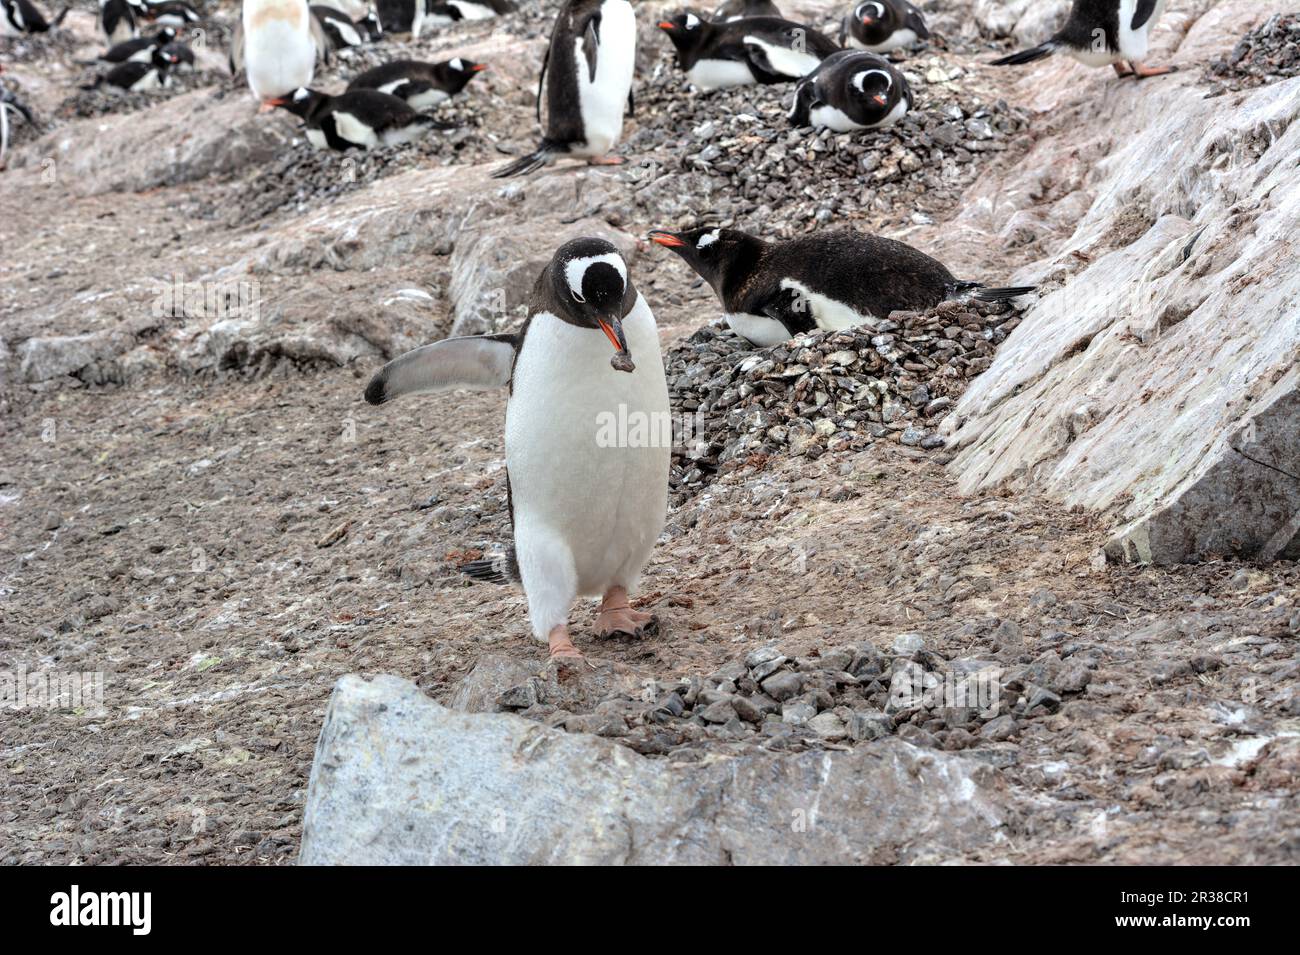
(445, 12)
(345, 32)
(827, 281)
(585, 511)
(140, 48)
(716, 55)
(1101, 33)
(358, 119)
(739, 9)
(420, 84)
(136, 75)
(880, 26)
(22, 16)
(587, 75)
(850, 91)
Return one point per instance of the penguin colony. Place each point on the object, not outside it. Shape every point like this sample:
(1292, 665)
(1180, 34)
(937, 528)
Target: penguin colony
(586, 513)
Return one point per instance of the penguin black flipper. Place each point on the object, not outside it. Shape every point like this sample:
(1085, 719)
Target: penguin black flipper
(631, 103)
(475, 362)
(1020, 57)
(546, 62)
(1143, 13)
(591, 45)
(789, 307)
(983, 293)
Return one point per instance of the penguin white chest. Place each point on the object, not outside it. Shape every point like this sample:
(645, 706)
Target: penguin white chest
(719, 74)
(1133, 43)
(603, 100)
(588, 447)
(279, 52)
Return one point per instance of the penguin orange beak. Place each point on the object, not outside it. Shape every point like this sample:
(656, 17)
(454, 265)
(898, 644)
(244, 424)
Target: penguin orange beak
(666, 25)
(867, 21)
(478, 68)
(612, 326)
(879, 98)
(667, 239)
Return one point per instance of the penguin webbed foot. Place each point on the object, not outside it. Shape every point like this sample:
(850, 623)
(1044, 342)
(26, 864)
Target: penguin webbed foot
(1142, 72)
(563, 653)
(606, 161)
(617, 618)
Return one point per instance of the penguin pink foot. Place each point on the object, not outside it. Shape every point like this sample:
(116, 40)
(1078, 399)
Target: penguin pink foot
(617, 617)
(606, 161)
(563, 652)
(1122, 69)
(1143, 72)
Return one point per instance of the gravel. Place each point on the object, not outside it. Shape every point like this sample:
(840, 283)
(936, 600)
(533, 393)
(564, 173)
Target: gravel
(1267, 54)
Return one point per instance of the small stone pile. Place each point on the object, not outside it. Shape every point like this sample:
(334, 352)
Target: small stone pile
(1267, 54)
(730, 157)
(106, 100)
(830, 391)
(832, 699)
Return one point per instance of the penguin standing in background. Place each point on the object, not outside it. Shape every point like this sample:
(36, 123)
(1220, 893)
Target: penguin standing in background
(826, 281)
(587, 75)
(850, 91)
(1103, 32)
(359, 119)
(741, 52)
(21, 16)
(278, 45)
(880, 26)
(586, 504)
(739, 9)
(117, 19)
(421, 85)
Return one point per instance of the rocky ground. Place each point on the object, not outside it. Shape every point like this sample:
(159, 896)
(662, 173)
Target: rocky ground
(202, 508)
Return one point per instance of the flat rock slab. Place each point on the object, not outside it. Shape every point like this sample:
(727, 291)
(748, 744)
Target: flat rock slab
(400, 780)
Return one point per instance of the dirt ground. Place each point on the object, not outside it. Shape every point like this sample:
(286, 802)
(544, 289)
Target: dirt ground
(223, 547)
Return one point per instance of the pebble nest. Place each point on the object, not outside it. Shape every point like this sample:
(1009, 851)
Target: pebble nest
(828, 700)
(1267, 54)
(731, 158)
(830, 391)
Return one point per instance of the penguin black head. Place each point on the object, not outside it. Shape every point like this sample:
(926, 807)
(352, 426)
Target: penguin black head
(686, 30)
(164, 36)
(713, 253)
(456, 73)
(590, 287)
(164, 59)
(372, 25)
(876, 90)
(301, 102)
(873, 22)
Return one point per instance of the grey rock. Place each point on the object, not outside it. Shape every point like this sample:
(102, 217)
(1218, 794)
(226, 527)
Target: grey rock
(783, 686)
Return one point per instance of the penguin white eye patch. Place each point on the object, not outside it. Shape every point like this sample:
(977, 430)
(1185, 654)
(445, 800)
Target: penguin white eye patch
(577, 269)
(859, 79)
(708, 239)
(457, 65)
(692, 21)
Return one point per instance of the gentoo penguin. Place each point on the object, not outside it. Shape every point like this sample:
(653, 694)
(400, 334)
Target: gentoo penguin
(828, 280)
(422, 85)
(184, 55)
(360, 119)
(170, 13)
(9, 103)
(21, 16)
(882, 25)
(443, 12)
(117, 18)
(141, 48)
(341, 29)
(136, 75)
(738, 9)
(1101, 32)
(851, 90)
(586, 503)
(590, 61)
(739, 52)
(280, 42)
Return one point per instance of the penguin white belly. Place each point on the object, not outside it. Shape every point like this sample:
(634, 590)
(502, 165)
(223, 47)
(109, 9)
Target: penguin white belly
(472, 11)
(279, 53)
(317, 138)
(354, 130)
(575, 492)
(833, 119)
(783, 59)
(1133, 44)
(404, 134)
(7, 28)
(345, 33)
(827, 312)
(604, 101)
(426, 99)
(1091, 57)
(719, 74)
(150, 81)
(758, 329)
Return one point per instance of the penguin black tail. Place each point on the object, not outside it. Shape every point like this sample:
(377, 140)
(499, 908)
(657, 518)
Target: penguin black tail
(501, 569)
(543, 155)
(1021, 57)
(983, 293)
(427, 119)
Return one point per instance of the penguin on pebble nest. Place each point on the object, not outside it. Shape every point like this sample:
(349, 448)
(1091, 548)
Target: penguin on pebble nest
(171, 13)
(880, 26)
(587, 77)
(716, 55)
(140, 48)
(1113, 33)
(445, 12)
(738, 9)
(850, 91)
(421, 85)
(587, 501)
(360, 119)
(826, 281)
(135, 75)
(342, 30)
(22, 16)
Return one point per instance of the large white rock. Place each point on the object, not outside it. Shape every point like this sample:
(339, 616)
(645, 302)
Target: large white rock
(399, 779)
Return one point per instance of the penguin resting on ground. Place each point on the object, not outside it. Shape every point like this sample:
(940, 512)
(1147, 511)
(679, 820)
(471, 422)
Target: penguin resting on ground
(738, 9)
(342, 30)
(740, 52)
(141, 48)
(851, 90)
(445, 12)
(1101, 33)
(135, 75)
(826, 281)
(587, 74)
(880, 26)
(359, 119)
(421, 85)
(586, 505)
(277, 46)
(170, 13)
(22, 16)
